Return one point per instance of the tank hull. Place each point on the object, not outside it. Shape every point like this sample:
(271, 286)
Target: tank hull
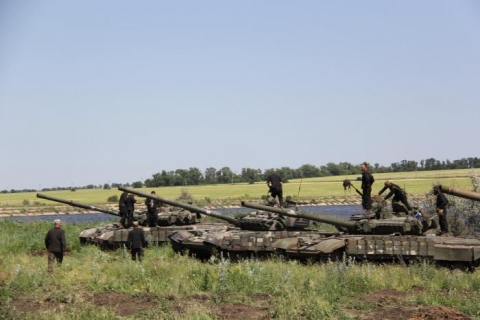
(118, 238)
(237, 243)
(384, 248)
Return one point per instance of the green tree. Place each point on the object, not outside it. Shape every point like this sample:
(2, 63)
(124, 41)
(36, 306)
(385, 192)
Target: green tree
(310, 171)
(194, 176)
(210, 175)
(137, 184)
(224, 175)
(251, 175)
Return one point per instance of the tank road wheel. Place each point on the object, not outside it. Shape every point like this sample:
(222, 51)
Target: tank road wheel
(178, 248)
(83, 241)
(216, 253)
(281, 254)
(203, 256)
(462, 266)
(334, 256)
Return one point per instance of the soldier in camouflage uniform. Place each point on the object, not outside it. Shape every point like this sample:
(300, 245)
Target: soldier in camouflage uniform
(152, 206)
(367, 181)
(398, 194)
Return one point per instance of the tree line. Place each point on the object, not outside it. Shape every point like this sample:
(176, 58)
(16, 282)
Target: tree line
(194, 176)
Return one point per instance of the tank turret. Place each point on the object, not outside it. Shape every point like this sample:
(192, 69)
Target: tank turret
(402, 225)
(189, 207)
(256, 221)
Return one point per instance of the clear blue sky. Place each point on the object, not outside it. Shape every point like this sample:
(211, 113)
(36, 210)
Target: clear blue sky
(95, 92)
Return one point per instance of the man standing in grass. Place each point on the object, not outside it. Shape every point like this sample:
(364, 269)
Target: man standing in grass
(274, 182)
(136, 242)
(56, 245)
(367, 181)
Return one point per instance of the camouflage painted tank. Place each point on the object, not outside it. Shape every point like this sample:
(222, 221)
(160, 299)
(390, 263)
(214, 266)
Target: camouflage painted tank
(248, 234)
(171, 219)
(88, 235)
(113, 236)
(401, 238)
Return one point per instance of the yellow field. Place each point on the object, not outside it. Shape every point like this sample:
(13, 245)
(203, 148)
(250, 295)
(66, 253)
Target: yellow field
(413, 182)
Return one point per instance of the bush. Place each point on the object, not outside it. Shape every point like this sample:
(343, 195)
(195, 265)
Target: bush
(185, 196)
(113, 198)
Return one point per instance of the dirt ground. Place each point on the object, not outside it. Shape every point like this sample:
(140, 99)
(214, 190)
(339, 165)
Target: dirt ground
(388, 304)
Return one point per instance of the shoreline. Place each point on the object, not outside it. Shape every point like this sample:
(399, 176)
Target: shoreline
(34, 214)
(31, 211)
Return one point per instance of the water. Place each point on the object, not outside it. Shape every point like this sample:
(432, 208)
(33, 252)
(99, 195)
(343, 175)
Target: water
(339, 211)
(67, 218)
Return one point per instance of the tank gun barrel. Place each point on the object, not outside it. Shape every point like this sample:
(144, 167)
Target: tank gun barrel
(460, 193)
(302, 214)
(79, 205)
(185, 206)
(404, 225)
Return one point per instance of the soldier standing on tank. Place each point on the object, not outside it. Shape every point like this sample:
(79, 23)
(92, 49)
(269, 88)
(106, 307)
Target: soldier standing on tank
(136, 242)
(441, 209)
(130, 204)
(122, 207)
(274, 182)
(367, 181)
(152, 206)
(56, 244)
(398, 194)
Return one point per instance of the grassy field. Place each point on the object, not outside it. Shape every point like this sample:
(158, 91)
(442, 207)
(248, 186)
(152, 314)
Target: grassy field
(93, 284)
(307, 189)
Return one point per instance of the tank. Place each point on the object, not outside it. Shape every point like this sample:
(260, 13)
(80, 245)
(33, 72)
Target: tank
(88, 235)
(247, 235)
(112, 236)
(396, 238)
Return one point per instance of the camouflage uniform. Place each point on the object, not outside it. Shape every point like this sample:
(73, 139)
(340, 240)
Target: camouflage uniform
(122, 207)
(398, 194)
(367, 181)
(441, 209)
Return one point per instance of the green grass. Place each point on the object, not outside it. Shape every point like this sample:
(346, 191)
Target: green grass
(419, 182)
(288, 289)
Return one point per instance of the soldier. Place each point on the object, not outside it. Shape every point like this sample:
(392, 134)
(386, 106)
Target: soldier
(441, 209)
(367, 181)
(122, 207)
(56, 245)
(398, 194)
(136, 242)
(274, 182)
(152, 206)
(130, 203)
